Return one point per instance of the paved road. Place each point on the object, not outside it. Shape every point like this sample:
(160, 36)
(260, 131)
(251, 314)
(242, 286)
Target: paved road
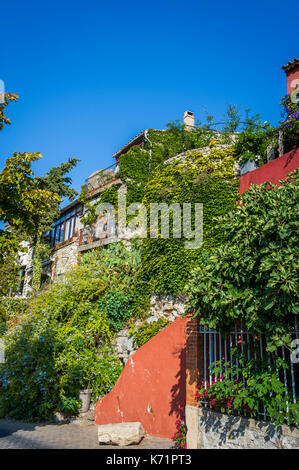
(20, 435)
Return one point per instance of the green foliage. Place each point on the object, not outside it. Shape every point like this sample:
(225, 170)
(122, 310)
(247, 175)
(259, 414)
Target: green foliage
(232, 118)
(147, 331)
(21, 201)
(12, 311)
(252, 142)
(8, 98)
(253, 386)
(117, 306)
(253, 275)
(63, 346)
(9, 274)
(290, 124)
(139, 164)
(166, 263)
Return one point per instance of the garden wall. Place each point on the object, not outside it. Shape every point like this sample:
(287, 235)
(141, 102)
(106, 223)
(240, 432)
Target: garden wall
(273, 171)
(151, 388)
(219, 431)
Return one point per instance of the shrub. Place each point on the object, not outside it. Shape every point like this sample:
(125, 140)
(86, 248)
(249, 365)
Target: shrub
(254, 387)
(117, 306)
(253, 276)
(180, 436)
(145, 332)
(12, 311)
(62, 347)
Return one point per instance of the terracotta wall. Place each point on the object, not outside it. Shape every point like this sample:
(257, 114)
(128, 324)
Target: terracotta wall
(272, 171)
(152, 386)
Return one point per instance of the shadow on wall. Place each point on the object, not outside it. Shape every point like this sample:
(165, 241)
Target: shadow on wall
(178, 390)
(151, 388)
(219, 430)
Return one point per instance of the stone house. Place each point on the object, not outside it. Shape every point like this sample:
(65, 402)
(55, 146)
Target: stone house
(70, 237)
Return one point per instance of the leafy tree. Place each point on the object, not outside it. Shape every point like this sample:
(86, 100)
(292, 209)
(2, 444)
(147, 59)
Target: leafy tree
(29, 204)
(8, 98)
(56, 182)
(21, 202)
(253, 141)
(232, 118)
(253, 276)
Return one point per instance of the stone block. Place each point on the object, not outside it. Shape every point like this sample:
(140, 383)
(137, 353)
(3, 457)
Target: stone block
(120, 434)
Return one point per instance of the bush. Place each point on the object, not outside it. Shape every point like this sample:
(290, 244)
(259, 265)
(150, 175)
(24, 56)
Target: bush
(253, 276)
(254, 386)
(12, 311)
(145, 332)
(62, 347)
(117, 306)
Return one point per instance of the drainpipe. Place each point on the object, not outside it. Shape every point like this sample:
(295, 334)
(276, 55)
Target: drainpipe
(150, 152)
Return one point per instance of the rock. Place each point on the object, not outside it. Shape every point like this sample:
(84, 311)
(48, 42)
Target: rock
(121, 434)
(152, 319)
(60, 418)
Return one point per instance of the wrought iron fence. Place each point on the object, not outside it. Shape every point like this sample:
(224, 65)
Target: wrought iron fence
(216, 348)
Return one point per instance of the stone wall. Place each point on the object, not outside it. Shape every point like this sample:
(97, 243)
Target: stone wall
(64, 258)
(211, 430)
(166, 306)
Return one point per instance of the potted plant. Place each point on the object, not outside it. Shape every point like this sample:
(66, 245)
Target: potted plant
(85, 394)
(85, 397)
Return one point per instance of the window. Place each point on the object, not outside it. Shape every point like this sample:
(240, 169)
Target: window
(64, 227)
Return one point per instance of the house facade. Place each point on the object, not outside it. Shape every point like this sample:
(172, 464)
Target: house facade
(70, 237)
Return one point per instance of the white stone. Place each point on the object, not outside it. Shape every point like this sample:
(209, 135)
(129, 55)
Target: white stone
(120, 434)
(152, 319)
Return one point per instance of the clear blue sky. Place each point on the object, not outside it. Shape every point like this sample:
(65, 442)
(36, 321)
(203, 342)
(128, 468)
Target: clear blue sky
(92, 74)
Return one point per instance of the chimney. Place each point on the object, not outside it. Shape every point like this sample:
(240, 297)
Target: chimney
(292, 72)
(189, 120)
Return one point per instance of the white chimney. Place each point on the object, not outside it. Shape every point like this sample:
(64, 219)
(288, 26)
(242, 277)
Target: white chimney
(189, 120)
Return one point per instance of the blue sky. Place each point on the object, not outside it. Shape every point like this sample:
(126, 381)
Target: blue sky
(92, 74)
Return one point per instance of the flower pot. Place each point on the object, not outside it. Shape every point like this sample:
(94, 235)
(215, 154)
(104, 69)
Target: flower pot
(85, 397)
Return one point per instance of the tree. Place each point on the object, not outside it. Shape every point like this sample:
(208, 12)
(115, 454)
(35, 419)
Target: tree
(57, 183)
(29, 204)
(21, 202)
(8, 98)
(253, 276)
(232, 118)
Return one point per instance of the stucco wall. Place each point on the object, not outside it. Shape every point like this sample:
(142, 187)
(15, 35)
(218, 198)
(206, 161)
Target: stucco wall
(273, 171)
(151, 387)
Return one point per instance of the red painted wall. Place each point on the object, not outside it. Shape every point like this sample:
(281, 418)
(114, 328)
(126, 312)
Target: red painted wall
(292, 79)
(152, 385)
(272, 171)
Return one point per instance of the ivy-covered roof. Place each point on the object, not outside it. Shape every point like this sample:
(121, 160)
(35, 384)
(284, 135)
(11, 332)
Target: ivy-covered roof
(135, 141)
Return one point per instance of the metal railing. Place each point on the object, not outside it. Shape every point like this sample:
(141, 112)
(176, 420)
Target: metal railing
(220, 350)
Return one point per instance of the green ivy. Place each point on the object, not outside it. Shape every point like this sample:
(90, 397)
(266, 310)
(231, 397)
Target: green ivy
(166, 263)
(147, 331)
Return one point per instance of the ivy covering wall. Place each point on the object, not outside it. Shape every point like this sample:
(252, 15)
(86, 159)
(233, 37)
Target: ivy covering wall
(199, 178)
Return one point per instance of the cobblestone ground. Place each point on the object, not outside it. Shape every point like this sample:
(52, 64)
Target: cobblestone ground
(19, 435)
